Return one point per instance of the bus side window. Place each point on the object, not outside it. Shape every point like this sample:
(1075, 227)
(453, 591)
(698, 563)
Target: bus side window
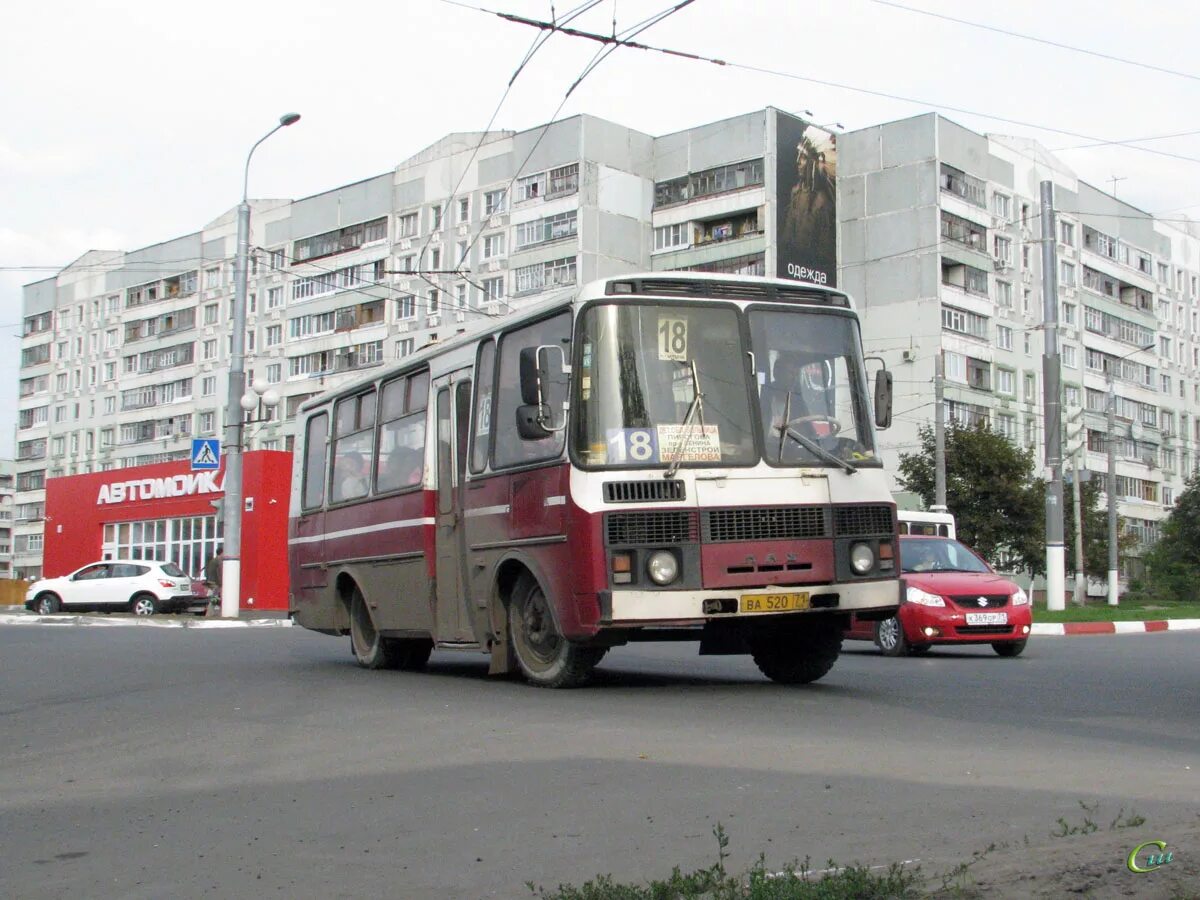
(316, 435)
(481, 420)
(904, 528)
(353, 443)
(400, 460)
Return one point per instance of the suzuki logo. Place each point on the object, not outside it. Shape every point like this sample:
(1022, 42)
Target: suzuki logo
(982, 601)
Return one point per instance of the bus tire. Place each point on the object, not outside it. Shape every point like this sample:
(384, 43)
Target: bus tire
(369, 649)
(544, 656)
(797, 654)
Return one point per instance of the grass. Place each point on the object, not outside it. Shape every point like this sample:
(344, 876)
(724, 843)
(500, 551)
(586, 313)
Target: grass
(1098, 610)
(796, 881)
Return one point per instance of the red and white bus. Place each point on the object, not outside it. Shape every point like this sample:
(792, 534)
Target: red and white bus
(652, 457)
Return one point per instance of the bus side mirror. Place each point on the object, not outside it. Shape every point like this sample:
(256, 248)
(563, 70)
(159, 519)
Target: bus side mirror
(883, 399)
(531, 378)
(530, 421)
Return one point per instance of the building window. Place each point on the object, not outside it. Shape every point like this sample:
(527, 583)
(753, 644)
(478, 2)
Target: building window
(493, 245)
(407, 225)
(734, 177)
(210, 349)
(1002, 206)
(406, 307)
(1006, 382)
(494, 202)
(670, 237)
(551, 228)
(531, 187)
(1070, 356)
(435, 213)
(208, 385)
(964, 322)
(1066, 273)
(1004, 294)
(494, 289)
(460, 295)
(274, 335)
(1030, 387)
(1066, 233)
(464, 210)
(274, 297)
(969, 188)
(1068, 314)
(339, 240)
(1002, 248)
(404, 347)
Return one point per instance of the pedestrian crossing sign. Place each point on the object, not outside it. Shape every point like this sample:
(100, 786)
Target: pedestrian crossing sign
(206, 454)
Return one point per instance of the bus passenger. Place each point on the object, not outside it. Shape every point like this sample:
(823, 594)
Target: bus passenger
(357, 478)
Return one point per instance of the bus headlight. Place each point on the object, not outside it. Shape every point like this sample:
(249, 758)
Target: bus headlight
(862, 559)
(662, 567)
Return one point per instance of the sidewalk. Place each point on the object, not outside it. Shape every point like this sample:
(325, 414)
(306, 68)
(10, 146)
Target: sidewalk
(17, 615)
(1072, 628)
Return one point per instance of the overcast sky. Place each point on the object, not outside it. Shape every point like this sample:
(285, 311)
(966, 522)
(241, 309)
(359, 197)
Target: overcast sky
(127, 123)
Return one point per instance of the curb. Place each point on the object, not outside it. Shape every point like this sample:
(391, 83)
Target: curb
(139, 621)
(1059, 629)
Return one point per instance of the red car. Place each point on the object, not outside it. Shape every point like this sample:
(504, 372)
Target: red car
(951, 597)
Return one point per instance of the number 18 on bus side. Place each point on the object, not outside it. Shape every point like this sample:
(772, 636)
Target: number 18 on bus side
(652, 457)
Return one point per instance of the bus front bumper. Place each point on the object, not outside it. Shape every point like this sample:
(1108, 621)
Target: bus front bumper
(634, 607)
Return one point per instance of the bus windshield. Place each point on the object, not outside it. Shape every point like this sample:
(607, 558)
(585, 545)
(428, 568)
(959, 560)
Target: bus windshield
(662, 385)
(812, 392)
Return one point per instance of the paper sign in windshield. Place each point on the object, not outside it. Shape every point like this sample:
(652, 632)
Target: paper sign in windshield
(689, 443)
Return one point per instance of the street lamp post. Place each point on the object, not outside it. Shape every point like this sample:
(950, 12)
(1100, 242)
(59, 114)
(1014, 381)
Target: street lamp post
(231, 567)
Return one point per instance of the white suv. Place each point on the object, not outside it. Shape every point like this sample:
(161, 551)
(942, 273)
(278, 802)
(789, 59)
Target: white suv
(139, 586)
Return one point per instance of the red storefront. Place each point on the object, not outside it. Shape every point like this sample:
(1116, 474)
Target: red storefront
(166, 511)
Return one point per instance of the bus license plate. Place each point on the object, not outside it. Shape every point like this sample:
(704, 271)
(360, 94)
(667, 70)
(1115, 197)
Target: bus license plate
(772, 603)
(987, 618)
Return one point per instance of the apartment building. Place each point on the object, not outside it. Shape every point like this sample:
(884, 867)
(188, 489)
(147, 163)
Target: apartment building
(941, 241)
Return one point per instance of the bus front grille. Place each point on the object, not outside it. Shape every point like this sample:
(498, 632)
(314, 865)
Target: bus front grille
(660, 527)
(862, 521)
(765, 523)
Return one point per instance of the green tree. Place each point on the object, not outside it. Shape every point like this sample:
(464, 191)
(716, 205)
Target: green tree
(1173, 564)
(1095, 528)
(997, 502)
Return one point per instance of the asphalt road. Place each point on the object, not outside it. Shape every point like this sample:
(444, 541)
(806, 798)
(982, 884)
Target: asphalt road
(139, 762)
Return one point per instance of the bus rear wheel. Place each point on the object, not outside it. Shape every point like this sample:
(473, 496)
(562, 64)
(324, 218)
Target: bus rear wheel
(797, 652)
(544, 656)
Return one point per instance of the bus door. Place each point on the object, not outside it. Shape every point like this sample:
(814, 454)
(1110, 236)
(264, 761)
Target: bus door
(453, 415)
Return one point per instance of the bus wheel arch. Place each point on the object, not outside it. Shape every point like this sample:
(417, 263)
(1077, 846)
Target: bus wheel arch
(535, 643)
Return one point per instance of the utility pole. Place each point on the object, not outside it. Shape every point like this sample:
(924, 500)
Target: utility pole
(1076, 451)
(1113, 563)
(1051, 405)
(939, 432)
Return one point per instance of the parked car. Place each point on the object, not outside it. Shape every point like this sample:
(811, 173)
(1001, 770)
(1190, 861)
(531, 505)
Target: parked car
(139, 586)
(951, 597)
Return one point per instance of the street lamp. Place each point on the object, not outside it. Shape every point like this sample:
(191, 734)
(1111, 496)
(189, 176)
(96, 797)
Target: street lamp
(1114, 564)
(231, 567)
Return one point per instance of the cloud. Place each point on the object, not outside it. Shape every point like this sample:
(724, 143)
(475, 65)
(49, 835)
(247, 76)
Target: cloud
(50, 162)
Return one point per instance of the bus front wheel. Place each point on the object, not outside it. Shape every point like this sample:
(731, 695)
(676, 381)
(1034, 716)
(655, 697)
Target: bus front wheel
(545, 657)
(797, 652)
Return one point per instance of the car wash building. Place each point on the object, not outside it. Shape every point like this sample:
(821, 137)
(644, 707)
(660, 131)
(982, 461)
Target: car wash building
(167, 512)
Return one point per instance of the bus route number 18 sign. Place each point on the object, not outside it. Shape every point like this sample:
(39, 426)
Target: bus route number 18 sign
(664, 444)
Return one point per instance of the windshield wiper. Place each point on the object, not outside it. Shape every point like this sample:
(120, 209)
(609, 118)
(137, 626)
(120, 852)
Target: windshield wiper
(807, 443)
(694, 408)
